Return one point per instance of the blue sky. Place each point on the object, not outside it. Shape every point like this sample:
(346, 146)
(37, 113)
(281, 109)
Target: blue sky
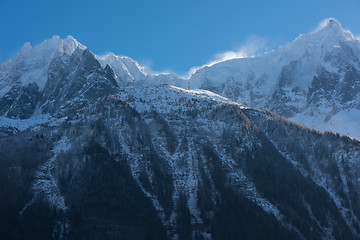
(168, 35)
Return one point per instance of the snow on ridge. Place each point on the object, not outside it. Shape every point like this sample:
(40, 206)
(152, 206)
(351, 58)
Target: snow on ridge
(125, 68)
(345, 122)
(323, 39)
(332, 24)
(23, 124)
(49, 47)
(32, 63)
(204, 93)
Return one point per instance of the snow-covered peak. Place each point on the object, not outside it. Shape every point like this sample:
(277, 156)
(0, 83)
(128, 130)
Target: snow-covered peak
(126, 69)
(329, 33)
(49, 47)
(31, 58)
(32, 63)
(329, 24)
(329, 42)
(333, 24)
(69, 45)
(334, 27)
(324, 63)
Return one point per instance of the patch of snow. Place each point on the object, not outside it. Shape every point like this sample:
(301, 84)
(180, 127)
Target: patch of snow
(345, 122)
(45, 183)
(23, 124)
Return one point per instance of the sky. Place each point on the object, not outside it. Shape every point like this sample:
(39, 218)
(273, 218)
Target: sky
(169, 35)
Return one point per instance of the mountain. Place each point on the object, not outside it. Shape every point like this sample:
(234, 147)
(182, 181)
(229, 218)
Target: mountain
(60, 74)
(161, 162)
(313, 80)
(53, 77)
(129, 73)
(97, 147)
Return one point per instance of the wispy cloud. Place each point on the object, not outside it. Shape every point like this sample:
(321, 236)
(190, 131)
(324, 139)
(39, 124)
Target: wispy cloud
(253, 46)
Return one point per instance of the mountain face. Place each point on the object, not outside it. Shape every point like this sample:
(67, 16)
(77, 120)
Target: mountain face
(167, 163)
(52, 78)
(313, 80)
(58, 75)
(96, 147)
(129, 73)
